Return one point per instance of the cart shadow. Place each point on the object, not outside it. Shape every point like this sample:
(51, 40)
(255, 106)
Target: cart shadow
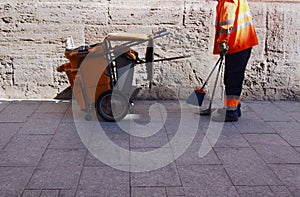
(65, 94)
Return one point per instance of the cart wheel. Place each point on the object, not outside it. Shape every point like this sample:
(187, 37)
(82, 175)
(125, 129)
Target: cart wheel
(88, 117)
(112, 105)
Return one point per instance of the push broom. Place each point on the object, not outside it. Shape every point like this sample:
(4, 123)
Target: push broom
(197, 96)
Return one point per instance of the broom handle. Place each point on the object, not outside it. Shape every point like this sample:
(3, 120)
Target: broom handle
(210, 74)
(218, 73)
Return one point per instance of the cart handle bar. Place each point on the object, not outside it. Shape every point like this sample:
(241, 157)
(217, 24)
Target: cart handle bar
(164, 59)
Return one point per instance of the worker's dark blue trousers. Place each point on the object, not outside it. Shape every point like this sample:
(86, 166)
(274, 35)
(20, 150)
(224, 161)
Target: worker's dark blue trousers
(235, 66)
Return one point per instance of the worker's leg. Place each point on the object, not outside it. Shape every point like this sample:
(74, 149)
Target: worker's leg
(235, 66)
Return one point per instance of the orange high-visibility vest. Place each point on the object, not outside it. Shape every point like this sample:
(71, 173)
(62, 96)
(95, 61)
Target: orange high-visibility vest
(234, 26)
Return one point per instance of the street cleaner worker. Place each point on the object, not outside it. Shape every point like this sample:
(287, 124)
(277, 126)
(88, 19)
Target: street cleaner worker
(234, 38)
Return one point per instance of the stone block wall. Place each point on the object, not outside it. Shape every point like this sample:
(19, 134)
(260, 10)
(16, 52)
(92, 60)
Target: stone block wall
(33, 34)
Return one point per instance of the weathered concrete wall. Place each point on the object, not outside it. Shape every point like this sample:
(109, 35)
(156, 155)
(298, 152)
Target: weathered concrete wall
(33, 34)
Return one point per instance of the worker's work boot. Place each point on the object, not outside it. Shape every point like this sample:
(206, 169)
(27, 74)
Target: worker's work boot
(238, 109)
(239, 112)
(226, 116)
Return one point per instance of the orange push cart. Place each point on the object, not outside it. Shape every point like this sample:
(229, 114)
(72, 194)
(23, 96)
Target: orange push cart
(101, 75)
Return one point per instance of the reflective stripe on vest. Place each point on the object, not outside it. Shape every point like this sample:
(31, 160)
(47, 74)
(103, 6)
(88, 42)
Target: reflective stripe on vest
(231, 22)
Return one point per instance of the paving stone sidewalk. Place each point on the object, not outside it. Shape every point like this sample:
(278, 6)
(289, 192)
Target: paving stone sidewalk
(42, 154)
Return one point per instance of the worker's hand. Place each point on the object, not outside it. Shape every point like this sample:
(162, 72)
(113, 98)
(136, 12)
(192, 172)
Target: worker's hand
(223, 48)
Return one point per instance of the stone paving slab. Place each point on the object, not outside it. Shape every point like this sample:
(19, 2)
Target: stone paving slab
(66, 137)
(3, 104)
(31, 193)
(68, 117)
(41, 153)
(252, 123)
(281, 191)
(24, 150)
(49, 193)
(289, 106)
(7, 131)
(105, 181)
(273, 149)
(166, 176)
(148, 191)
(42, 123)
(175, 191)
(14, 179)
(289, 174)
(297, 149)
(191, 155)
(51, 107)
(268, 111)
(295, 115)
(266, 191)
(206, 180)
(55, 178)
(62, 158)
(245, 167)
(92, 161)
(230, 137)
(18, 111)
(157, 140)
(289, 131)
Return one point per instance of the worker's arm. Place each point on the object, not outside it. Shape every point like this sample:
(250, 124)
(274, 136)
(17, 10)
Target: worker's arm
(226, 17)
